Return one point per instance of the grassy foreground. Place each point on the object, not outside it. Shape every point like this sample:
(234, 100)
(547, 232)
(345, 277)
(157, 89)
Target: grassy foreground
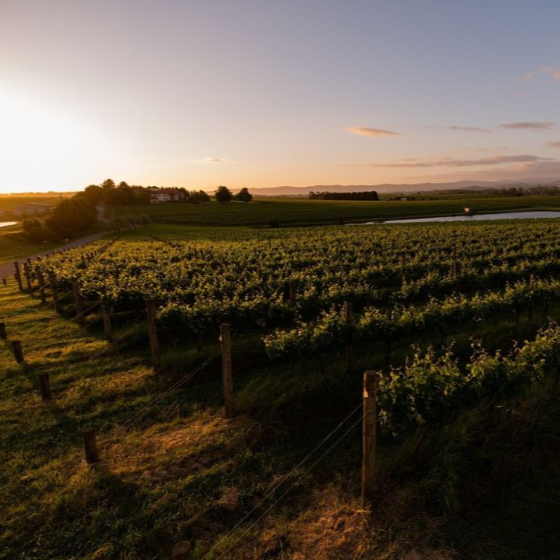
(484, 487)
(292, 212)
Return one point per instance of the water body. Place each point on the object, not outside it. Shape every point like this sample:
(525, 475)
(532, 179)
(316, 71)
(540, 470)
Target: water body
(6, 224)
(478, 217)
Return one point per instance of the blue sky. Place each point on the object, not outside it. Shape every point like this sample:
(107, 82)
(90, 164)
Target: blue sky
(269, 92)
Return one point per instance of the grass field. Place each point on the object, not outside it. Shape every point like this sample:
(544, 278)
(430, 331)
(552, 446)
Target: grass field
(14, 244)
(290, 212)
(483, 487)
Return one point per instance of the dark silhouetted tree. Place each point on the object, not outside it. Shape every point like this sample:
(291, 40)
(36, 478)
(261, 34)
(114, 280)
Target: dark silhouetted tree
(71, 217)
(223, 195)
(244, 195)
(108, 184)
(197, 197)
(94, 193)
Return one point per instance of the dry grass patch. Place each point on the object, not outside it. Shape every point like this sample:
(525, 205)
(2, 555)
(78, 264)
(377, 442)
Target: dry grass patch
(180, 449)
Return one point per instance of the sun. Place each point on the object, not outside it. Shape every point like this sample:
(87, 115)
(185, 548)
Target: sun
(43, 145)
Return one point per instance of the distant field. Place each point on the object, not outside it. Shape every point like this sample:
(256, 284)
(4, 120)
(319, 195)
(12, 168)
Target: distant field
(313, 212)
(8, 202)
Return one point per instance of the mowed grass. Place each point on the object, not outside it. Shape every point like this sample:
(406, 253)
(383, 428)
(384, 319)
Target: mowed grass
(152, 478)
(183, 472)
(290, 212)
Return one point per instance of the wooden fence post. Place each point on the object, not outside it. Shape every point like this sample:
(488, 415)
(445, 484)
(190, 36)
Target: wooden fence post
(42, 287)
(182, 551)
(107, 328)
(78, 301)
(454, 269)
(369, 421)
(531, 286)
(45, 384)
(152, 332)
(90, 446)
(27, 277)
(3, 333)
(292, 288)
(18, 276)
(54, 291)
(225, 339)
(349, 315)
(18, 351)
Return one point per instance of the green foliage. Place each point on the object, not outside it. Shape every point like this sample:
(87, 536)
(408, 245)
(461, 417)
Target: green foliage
(247, 282)
(71, 217)
(431, 389)
(37, 231)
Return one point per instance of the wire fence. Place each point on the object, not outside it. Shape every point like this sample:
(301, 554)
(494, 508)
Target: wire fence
(295, 474)
(288, 490)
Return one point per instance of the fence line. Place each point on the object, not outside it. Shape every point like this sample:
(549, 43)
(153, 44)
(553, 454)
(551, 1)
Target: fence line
(114, 342)
(85, 311)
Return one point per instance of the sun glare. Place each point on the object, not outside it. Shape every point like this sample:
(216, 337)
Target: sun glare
(39, 143)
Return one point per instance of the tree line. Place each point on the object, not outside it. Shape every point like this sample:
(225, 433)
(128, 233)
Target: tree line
(77, 214)
(365, 195)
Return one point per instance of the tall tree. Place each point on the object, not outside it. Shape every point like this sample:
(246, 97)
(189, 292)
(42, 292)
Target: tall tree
(223, 194)
(244, 195)
(108, 184)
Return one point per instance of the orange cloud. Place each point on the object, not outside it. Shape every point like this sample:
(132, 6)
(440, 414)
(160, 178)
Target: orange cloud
(211, 160)
(372, 132)
(553, 144)
(552, 71)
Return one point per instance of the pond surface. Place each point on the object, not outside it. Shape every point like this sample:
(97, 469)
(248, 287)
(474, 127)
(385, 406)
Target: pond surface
(477, 217)
(6, 224)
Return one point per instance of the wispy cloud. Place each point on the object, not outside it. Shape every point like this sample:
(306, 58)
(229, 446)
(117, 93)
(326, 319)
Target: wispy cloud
(217, 160)
(211, 160)
(476, 129)
(452, 162)
(530, 125)
(372, 132)
(536, 170)
(484, 149)
(553, 71)
(553, 144)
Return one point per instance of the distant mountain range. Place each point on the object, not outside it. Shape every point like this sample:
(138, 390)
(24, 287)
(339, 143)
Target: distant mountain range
(403, 188)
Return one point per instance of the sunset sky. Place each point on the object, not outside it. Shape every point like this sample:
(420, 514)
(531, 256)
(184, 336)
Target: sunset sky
(262, 93)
